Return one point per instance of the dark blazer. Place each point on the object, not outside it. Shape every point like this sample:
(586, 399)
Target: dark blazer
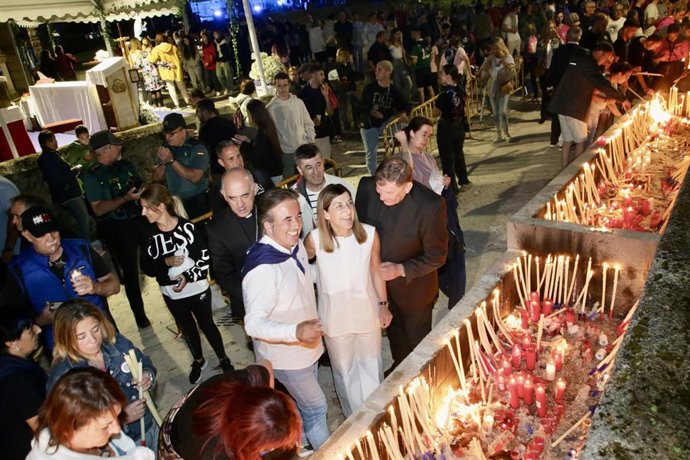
(418, 239)
(573, 95)
(229, 237)
(560, 61)
(61, 180)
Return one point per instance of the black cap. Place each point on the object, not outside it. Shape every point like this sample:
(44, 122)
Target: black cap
(103, 138)
(38, 221)
(173, 121)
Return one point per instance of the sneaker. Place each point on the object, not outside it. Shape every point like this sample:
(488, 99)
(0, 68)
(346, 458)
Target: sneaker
(305, 450)
(143, 323)
(226, 365)
(499, 139)
(197, 369)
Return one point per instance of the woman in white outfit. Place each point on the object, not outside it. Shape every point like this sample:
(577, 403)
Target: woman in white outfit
(353, 305)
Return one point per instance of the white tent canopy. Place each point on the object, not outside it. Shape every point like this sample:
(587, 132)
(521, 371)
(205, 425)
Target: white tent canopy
(31, 13)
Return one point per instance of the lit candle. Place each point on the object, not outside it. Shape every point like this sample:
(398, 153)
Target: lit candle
(558, 359)
(531, 357)
(514, 398)
(507, 370)
(517, 356)
(521, 386)
(488, 422)
(550, 373)
(501, 383)
(560, 390)
(540, 397)
(528, 391)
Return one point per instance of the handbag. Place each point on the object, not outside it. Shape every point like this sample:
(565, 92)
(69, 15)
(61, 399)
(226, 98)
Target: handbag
(332, 98)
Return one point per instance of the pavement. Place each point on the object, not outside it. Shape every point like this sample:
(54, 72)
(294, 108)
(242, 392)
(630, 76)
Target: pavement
(505, 176)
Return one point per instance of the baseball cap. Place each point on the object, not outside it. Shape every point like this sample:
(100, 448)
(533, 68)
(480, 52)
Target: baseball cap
(173, 121)
(38, 221)
(103, 138)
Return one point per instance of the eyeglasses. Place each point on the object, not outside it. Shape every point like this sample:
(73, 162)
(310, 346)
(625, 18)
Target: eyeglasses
(172, 133)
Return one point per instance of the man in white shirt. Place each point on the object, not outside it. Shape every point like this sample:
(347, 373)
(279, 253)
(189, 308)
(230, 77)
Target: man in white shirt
(281, 317)
(293, 123)
(311, 167)
(651, 13)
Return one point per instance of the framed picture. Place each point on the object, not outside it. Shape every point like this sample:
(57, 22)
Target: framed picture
(134, 75)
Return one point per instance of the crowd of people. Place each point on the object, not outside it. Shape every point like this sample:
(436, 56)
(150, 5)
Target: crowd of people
(319, 266)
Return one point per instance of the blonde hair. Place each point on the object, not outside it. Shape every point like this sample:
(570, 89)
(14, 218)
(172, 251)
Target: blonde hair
(499, 45)
(328, 242)
(67, 317)
(342, 56)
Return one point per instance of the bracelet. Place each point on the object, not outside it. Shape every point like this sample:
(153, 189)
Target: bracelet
(384, 303)
(170, 162)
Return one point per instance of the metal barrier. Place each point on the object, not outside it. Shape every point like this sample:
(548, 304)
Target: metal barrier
(396, 124)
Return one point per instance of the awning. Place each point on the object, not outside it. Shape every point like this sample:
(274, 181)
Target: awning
(31, 13)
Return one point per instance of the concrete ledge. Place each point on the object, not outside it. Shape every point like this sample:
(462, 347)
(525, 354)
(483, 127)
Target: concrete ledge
(645, 412)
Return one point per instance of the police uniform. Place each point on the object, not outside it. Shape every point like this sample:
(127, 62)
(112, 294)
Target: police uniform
(191, 154)
(119, 228)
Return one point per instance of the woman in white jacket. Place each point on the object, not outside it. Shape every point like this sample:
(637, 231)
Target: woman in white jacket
(79, 420)
(353, 305)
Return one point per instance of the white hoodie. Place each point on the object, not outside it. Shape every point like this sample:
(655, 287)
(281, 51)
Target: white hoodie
(41, 451)
(295, 126)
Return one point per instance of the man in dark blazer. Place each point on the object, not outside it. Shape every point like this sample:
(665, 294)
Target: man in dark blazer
(231, 232)
(573, 96)
(411, 221)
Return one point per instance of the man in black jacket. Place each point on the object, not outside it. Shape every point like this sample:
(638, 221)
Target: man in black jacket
(573, 96)
(232, 232)
(411, 221)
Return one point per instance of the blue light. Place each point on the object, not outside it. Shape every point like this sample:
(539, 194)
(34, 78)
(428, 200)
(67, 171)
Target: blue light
(217, 13)
(257, 8)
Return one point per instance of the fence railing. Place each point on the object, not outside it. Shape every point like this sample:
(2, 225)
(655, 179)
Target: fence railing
(396, 124)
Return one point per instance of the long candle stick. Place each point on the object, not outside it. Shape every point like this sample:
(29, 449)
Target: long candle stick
(538, 274)
(572, 283)
(540, 330)
(615, 289)
(570, 430)
(605, 268)
(463, 380)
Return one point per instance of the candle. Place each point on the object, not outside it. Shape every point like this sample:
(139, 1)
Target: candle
(501, 383)
(514, 398)
(534, 295)
(605, 268)
(540, 330)
(524, 318)
(558, 359)
(507, 369)
(550, 373)
(521, 386)
(528, 395)
(615, 289)
(531, 357)
(540, 397)
(526, 339)
(517, 356)
(560, 390)
(547, 307)
(535, 309)
(569, 316)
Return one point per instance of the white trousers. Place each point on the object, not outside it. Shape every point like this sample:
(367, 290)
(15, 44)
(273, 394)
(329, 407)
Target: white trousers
(357, 367)
(173, 93)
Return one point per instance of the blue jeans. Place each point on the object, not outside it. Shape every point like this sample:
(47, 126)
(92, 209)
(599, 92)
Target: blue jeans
(499, 104)
(303, 385)
(370, 138)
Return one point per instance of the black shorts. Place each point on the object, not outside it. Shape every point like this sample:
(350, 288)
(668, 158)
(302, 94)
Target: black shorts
(423, 78)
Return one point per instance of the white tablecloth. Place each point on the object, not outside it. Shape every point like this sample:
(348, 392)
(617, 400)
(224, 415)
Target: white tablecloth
(65, 100)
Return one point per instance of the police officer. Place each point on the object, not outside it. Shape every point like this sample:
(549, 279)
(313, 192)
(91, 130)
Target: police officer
(184, 161)
(113, 187)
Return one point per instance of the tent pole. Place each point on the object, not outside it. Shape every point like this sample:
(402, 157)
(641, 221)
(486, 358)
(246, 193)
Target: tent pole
(255, 43)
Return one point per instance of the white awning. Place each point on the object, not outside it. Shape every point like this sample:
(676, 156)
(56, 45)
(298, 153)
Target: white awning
(31, 13)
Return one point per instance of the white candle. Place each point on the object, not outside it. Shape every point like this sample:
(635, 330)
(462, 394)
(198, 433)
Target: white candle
(615, 289)
(550, 373)
(605, 268)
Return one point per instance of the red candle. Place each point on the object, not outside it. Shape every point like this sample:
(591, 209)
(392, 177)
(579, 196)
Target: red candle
(540, 396)
(501, 383)
(514, 398)
(517, 356)
(521, 386)
(507, 370)
(531, 356)
(526, 339)
(531, 455)
(547, 307)
(560, 390)
(534, 295)
(535, 310)
(528, 391)
(558, 359)
(524, 319)
(538, 443)
(570, 316)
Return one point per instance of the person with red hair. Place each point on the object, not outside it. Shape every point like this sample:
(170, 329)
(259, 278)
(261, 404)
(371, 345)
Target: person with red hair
(232, 416)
